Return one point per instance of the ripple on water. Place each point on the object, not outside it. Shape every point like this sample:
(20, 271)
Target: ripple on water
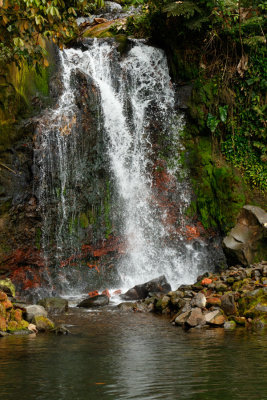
(113, 355)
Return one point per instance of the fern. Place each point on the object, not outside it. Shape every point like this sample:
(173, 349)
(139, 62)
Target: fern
(186, 9)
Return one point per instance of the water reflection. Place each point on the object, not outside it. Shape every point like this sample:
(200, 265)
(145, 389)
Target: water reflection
(133, 356)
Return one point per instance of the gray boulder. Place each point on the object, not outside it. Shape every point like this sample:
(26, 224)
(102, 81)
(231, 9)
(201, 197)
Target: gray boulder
(247, 241)
(96, 301)
(139, 292)
(199, 300)
(33, 311)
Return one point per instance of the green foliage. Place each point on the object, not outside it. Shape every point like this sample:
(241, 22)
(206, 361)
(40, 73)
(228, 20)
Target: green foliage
(25, 23)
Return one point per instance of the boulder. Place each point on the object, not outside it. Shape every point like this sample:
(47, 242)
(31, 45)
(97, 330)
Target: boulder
(162, 303)
(34, 311)
(180, 320)
(229, 325)
(54, 305)
(43, 324)
(247, 241)
(140, 292)
(199, 300)
(211, 315)
(213, 301)
(195, 318)
(228, 304)
(96, 301)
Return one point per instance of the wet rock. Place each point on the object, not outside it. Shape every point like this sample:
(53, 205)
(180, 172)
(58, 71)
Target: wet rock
(3, 334)
(96, 301)
(180, 320)
(34, 311)
(195, 318)
(61, 330)
(228, 304)
(218, 321)
(176, 299)
(199, 301)
(127, 306)
(112, 7)
(239, 320)
(259, 324)
(162, 303)
(32, 328)
(229, 325)
(7, 287)
(183, 94)
(54, 305)
(43, 324)
(213, 302)
(220, 287)
(211, 315)
(140, 292)
(247, 241)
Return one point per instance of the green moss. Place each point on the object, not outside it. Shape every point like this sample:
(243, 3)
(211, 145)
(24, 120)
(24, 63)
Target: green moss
(7, 283)
(248, 302)
(84, 222)
(123, 41)
(217, 195)
(43, 323)
(38, 236)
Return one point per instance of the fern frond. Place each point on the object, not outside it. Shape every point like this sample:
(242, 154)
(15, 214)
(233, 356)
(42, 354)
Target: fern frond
(186, 9)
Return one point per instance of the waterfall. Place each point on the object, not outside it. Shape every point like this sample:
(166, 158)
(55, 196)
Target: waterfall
(137, 103)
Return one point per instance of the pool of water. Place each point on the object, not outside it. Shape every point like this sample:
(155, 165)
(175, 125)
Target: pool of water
(112, 355)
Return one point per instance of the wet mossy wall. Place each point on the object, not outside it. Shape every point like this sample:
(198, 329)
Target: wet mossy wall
(220, 190)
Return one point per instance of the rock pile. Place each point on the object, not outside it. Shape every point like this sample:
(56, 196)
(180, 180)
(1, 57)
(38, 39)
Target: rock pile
(20, 318)
(235, 297)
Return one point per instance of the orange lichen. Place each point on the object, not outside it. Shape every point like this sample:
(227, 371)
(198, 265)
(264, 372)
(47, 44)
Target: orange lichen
(93, 294)
(206, 281)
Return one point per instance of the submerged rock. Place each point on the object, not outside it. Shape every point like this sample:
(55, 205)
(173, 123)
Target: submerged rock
(96, 301)
(139, 292)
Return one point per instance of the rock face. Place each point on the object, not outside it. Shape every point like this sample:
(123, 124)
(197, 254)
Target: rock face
(54, 305)
(247, 241)
(96, 301)
(139, 292)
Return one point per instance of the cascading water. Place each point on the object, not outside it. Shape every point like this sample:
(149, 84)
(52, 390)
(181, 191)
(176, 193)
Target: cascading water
(137, 108)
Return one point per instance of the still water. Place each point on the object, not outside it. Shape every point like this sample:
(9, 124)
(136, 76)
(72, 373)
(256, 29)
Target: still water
(111, 355)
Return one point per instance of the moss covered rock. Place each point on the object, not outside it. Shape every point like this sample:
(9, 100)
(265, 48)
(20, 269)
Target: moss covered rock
(8, 287)
(43, 324)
